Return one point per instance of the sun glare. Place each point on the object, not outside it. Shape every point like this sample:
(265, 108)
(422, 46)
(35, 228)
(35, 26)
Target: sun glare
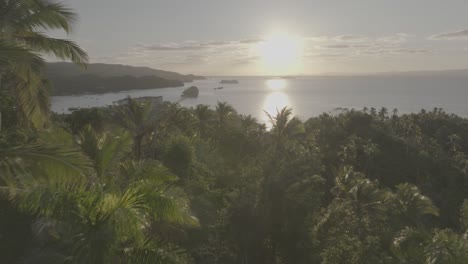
(276, 84)
(280, 54)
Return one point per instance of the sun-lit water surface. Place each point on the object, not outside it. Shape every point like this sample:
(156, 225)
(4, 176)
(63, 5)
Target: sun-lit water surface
(307, 96)
(276, 84)
(274, 102)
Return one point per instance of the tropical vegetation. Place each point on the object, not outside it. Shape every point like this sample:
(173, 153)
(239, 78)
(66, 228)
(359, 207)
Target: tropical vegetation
(143, 183)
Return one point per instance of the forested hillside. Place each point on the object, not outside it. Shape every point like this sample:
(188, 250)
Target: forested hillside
(64, 69)
(344, 187)
(93, 84)
(98, 78)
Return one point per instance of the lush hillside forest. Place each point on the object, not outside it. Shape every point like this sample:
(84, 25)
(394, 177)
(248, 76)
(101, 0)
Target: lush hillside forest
(210, 186)
(206, 185)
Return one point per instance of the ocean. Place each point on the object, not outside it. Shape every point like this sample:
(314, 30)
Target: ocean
(307, 96)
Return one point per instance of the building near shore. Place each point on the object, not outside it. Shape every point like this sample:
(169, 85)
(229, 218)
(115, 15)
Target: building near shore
(154, 100)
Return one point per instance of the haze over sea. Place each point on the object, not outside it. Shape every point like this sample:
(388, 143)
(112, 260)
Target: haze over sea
(307, 96)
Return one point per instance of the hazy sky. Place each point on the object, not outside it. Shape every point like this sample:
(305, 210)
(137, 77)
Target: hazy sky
(218, 37)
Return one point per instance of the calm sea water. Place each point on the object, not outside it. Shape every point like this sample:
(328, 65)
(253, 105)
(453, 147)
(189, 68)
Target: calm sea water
(307, 97)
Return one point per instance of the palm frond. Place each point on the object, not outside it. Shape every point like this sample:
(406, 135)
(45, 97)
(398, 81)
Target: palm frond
(45, 14)
(409, 200)
(14, 56)
(18, 157)
(164, 200)
(104, 150)
(32, 98)
(155, 252)
(61, 48)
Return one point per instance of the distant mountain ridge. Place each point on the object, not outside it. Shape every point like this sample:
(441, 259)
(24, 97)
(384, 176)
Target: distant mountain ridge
(98, 78)
(451, 72)
(436, 73)
(65, 69)
(93, 84)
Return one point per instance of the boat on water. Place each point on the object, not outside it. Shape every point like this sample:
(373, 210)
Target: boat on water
(218, 88)
(145, 99)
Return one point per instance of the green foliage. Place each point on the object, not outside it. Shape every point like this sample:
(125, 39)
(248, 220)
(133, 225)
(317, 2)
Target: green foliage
(21, 42)
(178, 155)
(144, 183)
(464, 215)
(137, 119)
(79, 118)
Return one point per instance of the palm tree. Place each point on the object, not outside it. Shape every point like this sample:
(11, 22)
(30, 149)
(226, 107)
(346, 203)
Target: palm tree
(112, 211)
(408, 247)
(104, 150)
(248, 122)
(359, 192)
(464, 215)
(447, 246)
(16, 161)
(136, 118)
(284, 126)
(21, 42)
(137, 197)
(177, 118)
(204, 117)
(416, 245)
(409, 204)
(223, 112)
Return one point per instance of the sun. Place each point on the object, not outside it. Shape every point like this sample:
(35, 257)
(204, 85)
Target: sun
(280, 53)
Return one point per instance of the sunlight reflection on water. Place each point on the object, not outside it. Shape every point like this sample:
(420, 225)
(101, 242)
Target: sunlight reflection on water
(276, 84)
(306, 96)
(275, 99)
(274, 102)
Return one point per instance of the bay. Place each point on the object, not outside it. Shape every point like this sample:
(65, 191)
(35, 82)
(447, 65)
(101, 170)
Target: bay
(307, 96)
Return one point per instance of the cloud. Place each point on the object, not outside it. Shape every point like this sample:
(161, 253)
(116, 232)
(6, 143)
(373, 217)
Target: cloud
(394, 39)
(390, 51)
(410, 51)
(351, 38)
(187, 54)
(190, 59)
(216, 43)
(171, 47)
(373, 52)
(336, 46)
(327, 55)
(245, 60)
(363, 45)
(183, 46)
(250, 41)
(460, 34)
(358, 45)
(195, 56)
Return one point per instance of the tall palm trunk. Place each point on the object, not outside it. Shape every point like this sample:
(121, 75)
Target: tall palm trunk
(1, 75)
(137, 146)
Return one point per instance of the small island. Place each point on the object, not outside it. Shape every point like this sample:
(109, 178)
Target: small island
(229, 82)
(191, 92)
